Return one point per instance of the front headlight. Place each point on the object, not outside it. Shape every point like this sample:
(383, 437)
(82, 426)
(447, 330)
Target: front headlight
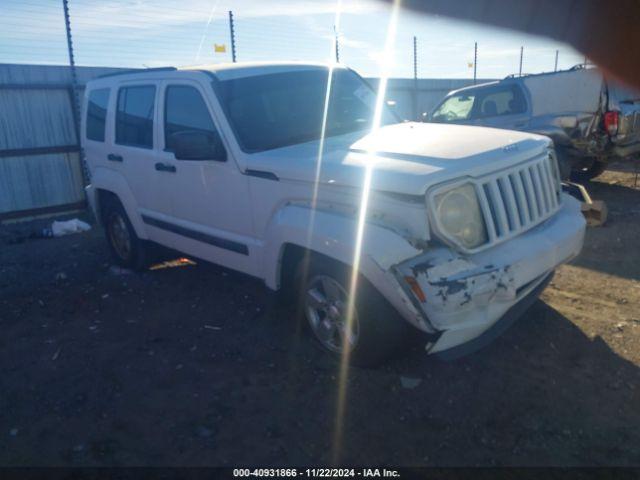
(459, 216)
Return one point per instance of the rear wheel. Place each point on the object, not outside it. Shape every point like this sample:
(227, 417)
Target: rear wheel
(373, 333)
(589, 171)
(126, 248)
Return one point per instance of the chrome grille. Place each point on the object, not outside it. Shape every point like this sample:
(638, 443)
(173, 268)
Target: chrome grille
(515, 200)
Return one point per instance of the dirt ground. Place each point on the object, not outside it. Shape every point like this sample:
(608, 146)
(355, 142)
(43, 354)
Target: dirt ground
(192, 366)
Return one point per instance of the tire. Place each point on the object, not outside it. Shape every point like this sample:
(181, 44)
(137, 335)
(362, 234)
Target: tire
(564, 164)
(582, 175)
(377, 333)
(127, 250)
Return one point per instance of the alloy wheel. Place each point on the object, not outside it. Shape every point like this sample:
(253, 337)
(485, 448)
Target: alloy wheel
(326, 311)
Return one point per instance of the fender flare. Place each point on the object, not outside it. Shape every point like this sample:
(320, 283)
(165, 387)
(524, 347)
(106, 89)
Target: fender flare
(114, 182)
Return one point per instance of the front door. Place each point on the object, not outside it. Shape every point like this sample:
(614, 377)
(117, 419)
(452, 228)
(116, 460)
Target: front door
(210, 202)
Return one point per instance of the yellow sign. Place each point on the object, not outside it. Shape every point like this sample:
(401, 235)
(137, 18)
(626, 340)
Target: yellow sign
(219, 48)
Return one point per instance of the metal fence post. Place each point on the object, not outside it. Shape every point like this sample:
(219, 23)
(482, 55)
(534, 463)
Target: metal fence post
(555, 68)
(73, 92)
(232, 34)
(335, 35)
(415, 78)
(521, 54)
(475, 61)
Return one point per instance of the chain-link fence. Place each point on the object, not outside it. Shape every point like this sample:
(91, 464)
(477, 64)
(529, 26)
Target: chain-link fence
(40, 156)
(145, 33)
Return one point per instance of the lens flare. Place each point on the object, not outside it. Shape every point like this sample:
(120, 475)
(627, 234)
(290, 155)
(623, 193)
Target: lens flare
(362, 216)
(323, 130)
(299, 314)
(206, 29)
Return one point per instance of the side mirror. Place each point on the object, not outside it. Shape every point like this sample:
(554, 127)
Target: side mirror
(196, 145)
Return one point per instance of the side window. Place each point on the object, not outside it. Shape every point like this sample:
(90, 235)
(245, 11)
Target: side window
(97, 114)
(189, 131)
(134, 116)
(502, 101)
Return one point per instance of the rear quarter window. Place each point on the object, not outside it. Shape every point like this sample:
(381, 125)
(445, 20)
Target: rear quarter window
(97, 114)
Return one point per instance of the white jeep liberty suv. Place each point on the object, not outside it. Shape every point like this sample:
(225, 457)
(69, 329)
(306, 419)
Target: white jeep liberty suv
(464, 225)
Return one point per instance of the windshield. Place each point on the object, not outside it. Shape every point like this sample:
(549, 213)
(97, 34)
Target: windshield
(279, 109)
(454, 108)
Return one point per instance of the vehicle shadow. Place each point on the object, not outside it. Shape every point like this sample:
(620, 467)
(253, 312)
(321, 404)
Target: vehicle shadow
(193, 365)
(543, 394)
(626, 166)
(614, 192)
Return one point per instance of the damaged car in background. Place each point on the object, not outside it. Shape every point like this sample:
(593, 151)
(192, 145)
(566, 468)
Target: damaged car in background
(592, 121)
(463, 227)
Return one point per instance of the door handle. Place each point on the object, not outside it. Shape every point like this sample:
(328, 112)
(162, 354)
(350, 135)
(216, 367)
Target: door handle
(114, 158)
(165, 167)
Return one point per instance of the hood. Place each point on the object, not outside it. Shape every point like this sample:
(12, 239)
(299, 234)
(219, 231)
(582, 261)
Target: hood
(406, 158)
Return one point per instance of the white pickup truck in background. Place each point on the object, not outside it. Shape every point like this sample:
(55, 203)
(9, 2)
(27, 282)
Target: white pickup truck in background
(591, 120)
(464, 225)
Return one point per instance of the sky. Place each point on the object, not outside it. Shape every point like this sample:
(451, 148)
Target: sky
(139, 33)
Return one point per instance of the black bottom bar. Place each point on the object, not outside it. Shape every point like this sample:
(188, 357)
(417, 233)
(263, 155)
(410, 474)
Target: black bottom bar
(199, 236)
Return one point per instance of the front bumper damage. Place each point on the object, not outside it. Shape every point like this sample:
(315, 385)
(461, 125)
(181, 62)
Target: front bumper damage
(465, 295)
(499, 327)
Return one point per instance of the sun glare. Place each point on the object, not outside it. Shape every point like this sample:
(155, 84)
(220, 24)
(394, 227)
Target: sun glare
(321, 143)
(362, 216)
(323, 131)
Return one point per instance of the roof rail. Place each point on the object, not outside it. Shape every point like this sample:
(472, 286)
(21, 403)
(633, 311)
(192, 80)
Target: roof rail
(518, 75)
(580, 66)
(583, 66)
(138, 70)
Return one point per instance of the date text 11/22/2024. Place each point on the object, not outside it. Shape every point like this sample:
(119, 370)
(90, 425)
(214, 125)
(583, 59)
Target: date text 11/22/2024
(316, 472)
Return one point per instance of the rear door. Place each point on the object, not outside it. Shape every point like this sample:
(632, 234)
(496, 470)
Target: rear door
(136, 147)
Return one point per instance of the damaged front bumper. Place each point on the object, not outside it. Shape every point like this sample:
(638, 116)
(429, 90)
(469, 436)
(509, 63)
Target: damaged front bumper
(465, 295)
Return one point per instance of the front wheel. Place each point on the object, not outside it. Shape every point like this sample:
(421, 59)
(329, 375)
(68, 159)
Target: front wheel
(370, 335)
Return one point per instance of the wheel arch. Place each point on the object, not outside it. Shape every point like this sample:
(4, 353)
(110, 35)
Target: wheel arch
(288, 240)
(107, 184)
(296, 228)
